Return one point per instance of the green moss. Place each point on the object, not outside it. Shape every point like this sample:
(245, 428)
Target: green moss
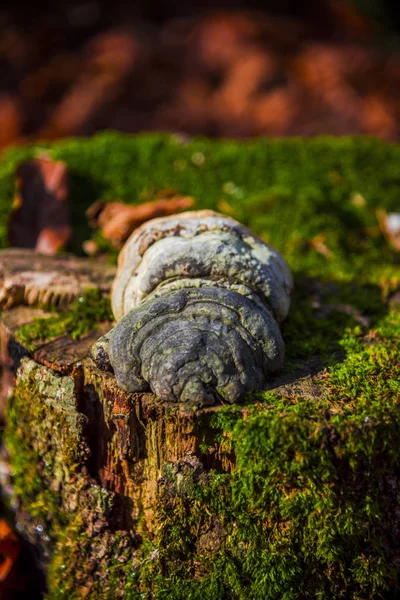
(61, 569)
(31, 428)
(288, 191)
(311, 508)
(85, 313)
(44, 442)
(71, 569)
(48, 453)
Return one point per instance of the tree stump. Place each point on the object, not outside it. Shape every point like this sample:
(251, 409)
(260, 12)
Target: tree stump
(285, 496)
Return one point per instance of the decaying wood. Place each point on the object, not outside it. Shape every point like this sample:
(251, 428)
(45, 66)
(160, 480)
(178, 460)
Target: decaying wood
(121, 442)
(10, 351)
(27, 278)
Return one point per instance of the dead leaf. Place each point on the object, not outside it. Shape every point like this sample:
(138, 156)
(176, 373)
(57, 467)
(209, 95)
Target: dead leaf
(117, 220)
(225, 73)
(377, 116)
(225, 207)
(111, 56)
(275, 111)
(90, 247)
(10, 120)
(10, 548)
(389, 224)
(40, 218)
(241, 83)
(318, 243)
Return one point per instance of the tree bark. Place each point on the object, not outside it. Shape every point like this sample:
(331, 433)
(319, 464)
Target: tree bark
(99, 450)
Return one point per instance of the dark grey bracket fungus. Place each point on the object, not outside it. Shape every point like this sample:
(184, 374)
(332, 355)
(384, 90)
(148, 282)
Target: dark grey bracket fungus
(198, 299)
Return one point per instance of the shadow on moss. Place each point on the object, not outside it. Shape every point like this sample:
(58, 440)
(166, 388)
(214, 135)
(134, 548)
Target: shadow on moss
(321, 312)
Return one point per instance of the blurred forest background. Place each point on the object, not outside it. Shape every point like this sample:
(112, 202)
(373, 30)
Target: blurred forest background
(228, 68)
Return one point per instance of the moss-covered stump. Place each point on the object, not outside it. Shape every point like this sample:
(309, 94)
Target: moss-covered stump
(293, 494)
(280, 498)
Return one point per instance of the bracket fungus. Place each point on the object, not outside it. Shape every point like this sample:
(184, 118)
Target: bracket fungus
(198, 299)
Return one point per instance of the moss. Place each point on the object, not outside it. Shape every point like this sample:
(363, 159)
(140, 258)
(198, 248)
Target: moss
(69, 577)
(48, 456)
(85, 313)
(31, 430)
(311, 508)
(288, 191)
(61, 569)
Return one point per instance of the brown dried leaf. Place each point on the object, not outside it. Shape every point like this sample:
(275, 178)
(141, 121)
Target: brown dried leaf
(10, 548)
(118, 220)
(90, 247)
(318, 243)
(377, 116)
(40, 219)
(224, 207)
(241, 83)
(111, 58)
(389, 224)
(10, 120)
(275, 112)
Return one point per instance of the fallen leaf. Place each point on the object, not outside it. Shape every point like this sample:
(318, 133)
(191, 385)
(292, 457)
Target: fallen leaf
(111, 57)
(275, 111)
(10, 120)
(389, 224)
(318, 243)
(40, 217)
(225, 207)
(377, 116)
(90, 247)
(10, 548)
(242, 81)
(118, 220)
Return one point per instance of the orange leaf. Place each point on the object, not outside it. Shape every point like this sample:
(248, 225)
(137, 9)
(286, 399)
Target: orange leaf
(40, 218)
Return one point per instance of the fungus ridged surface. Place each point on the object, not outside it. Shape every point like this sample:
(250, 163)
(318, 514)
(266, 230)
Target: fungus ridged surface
(198, 298)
